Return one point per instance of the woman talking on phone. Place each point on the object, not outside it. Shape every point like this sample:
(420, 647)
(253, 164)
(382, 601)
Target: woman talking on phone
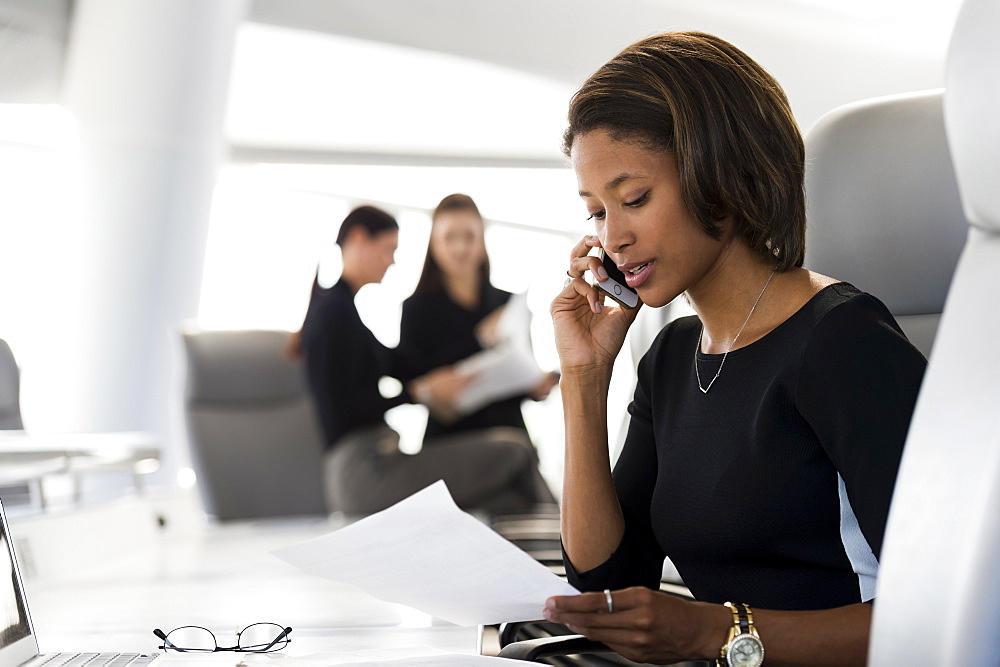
(766, 430)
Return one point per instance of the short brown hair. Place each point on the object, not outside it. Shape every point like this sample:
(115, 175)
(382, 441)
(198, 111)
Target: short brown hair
(724, 119)
(373, 220)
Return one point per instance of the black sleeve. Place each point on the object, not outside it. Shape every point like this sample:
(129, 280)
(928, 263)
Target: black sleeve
(401, 364)
(343, 362)
(638, 560)
(415, 338)
(857, 388)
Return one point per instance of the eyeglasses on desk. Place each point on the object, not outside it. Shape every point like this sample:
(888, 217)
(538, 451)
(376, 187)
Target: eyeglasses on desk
(256, 638)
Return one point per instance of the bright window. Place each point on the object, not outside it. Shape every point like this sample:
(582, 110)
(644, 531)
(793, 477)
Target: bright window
(40, 263)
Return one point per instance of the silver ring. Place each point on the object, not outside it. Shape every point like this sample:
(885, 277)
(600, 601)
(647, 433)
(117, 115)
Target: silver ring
(611, 602)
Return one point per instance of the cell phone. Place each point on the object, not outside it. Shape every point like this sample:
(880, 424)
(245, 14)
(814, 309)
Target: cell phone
(615, 286)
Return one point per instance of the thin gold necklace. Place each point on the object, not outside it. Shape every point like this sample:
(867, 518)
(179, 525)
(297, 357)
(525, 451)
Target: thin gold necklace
(697, 349)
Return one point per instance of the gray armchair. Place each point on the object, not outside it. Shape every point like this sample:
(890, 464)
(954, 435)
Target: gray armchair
(10, 390)
(254, 437)
(13, 491)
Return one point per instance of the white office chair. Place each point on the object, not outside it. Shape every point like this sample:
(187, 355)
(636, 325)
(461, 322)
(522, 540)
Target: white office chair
(939, 585)
(253, 431)
(883, 207)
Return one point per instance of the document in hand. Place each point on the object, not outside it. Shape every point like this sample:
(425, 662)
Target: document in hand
(497, 373)
(506, 369)
(426, 553)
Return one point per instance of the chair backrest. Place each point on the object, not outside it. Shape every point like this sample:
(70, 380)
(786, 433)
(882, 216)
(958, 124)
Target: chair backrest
(883, 207)
(939, 584)
(254, 435)
(10, 390)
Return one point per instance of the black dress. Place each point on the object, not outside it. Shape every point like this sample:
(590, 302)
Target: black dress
(344, 361)
(773, 488)
(436, 331)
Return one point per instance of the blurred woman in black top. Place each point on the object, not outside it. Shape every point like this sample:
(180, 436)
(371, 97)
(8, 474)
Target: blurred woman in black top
(453, 311)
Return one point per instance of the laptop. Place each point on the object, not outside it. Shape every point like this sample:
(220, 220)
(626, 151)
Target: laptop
(18, 645)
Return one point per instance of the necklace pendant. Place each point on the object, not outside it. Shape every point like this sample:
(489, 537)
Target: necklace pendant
(704, 390)
(722, 363)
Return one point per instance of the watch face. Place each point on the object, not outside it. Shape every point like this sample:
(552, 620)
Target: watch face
(745, 651)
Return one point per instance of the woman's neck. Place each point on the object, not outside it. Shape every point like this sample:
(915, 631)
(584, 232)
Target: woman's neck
(354, 277)
(725, 296)
(463, 290)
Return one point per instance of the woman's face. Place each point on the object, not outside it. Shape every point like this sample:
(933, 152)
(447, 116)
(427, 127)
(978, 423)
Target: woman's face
(634, 197)
(380, 254)
(457, 243)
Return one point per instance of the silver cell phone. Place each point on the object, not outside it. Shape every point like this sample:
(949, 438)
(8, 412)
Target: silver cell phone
(615, 286)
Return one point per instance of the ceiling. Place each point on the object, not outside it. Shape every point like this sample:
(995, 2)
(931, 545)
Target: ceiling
(824, 52)
(567, 39)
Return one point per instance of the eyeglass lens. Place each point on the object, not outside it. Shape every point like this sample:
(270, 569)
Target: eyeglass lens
(262, 638)
(191, 638)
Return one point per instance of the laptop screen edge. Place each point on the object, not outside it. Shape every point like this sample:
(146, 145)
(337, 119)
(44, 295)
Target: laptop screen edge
(26, 648)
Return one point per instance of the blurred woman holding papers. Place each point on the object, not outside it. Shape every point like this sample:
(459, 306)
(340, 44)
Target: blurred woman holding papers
(457, 318)
(455, 313)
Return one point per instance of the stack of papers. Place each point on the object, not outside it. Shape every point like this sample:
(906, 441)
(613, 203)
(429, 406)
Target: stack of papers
(426, 553)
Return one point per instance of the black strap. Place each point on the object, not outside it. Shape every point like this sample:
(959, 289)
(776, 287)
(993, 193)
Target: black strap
(743, 612)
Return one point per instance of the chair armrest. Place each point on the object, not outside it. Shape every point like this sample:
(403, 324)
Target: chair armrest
(516, 631)
(543, 647)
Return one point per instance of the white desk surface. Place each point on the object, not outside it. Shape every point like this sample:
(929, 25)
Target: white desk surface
(223, 577)
(28, 456)
(18, 442)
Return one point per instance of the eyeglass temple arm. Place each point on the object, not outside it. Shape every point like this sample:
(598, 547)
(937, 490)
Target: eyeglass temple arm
(166, 642)
(284, 633)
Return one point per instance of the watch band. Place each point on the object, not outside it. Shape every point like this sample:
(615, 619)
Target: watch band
(733, 631)
(742, 628)
(744, 617)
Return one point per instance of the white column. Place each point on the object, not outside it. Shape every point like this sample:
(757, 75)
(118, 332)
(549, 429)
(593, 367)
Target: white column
(146, 81)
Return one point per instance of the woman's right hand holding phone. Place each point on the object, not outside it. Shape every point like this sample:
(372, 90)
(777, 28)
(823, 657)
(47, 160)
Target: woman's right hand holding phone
(589, 333)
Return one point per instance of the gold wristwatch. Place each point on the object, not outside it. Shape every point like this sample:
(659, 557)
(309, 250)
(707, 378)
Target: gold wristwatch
(743, 647)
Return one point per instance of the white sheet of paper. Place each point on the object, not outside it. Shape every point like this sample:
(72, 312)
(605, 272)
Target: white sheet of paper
(395, 656)
(499, 372)
(514, 325)
(506, 369)
(426, 553)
